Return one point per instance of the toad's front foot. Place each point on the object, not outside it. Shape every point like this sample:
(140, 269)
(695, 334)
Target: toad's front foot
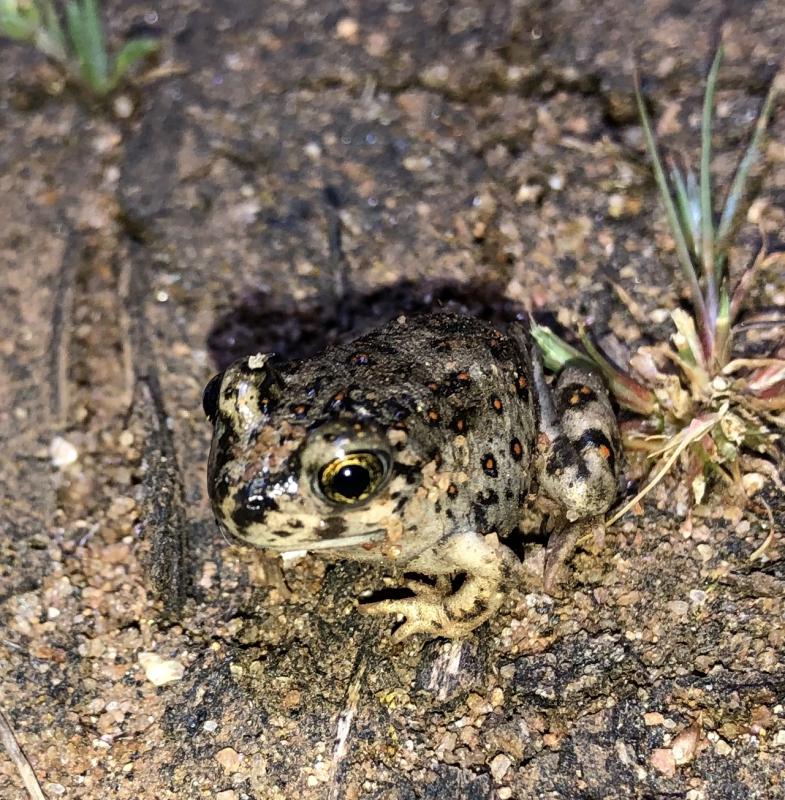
(453, 617)
(488, 568)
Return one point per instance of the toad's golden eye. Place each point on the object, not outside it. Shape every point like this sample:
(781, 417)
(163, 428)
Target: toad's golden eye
(353, 478)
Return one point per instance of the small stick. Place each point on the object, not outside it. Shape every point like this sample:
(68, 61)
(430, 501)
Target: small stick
(19, 760)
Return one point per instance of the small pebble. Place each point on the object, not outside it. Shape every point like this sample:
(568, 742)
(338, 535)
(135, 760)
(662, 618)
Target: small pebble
(722, 748)
(685, 745)
(663, 761)
(229, 759)
(499, 766)
(698, 597)
(160, 671)
(123, 106)
(528, 193)
(62, 452)
(679, 608)
(706, 552)
(347, 29)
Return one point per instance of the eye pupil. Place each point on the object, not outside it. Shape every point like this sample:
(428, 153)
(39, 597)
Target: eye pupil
(353, 478)
(352, 481)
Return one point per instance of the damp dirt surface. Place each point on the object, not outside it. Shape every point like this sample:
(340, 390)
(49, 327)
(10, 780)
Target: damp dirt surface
(478, 156)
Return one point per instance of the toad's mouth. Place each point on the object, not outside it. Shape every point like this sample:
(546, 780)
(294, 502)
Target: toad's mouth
(338, 543)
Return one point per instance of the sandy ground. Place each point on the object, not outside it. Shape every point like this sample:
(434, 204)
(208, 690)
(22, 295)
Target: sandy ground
(481, 143)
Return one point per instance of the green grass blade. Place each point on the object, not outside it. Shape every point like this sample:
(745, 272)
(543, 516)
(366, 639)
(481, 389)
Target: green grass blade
(130, 54)
(693, 193)
(51, 39)
(707, 212)
(736, 192)
(77, 41)
(555, 351)
(722, 346)
(17, 22)
(16, 28)
(96, 46)
(682, 251)
(684, 208)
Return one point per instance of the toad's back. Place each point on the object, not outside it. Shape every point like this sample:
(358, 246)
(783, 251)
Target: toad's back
(457, 393)
(443, 401)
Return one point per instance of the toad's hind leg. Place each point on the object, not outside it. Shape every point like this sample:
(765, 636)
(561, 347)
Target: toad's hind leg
(487, 566)
(578, 456)
(578, 446)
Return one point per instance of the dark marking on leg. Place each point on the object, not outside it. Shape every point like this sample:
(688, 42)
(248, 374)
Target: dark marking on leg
(594, 437)
(576, 395)
(564, 456)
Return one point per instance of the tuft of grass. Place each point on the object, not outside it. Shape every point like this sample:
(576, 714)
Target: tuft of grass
(693, 399)
(75, 41)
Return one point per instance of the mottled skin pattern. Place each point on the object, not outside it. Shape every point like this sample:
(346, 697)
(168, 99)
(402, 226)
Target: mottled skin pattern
(443, 423)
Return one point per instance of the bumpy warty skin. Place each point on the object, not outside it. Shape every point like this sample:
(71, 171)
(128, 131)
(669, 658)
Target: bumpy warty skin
(447, 417)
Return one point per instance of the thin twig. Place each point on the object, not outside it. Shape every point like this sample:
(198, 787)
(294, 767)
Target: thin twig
(19, 760)
(345, 723)
(760, 551)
